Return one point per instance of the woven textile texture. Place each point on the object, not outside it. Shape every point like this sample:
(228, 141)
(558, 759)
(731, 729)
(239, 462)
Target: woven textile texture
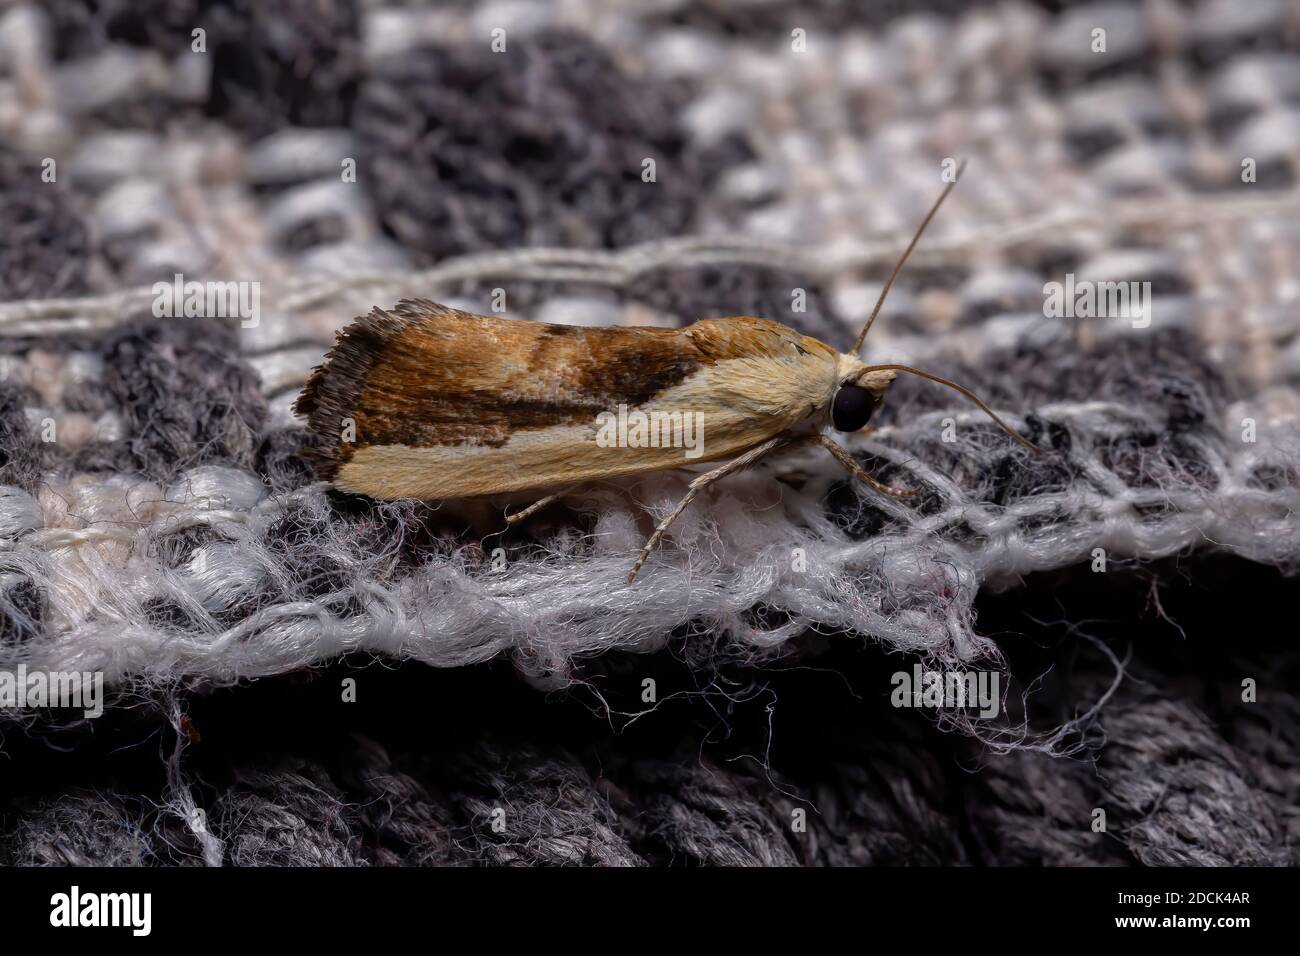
(296, 676)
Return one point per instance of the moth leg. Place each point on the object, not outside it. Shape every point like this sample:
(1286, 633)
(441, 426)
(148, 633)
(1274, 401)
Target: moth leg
(537, 506)
(698, 485)
(854, 468)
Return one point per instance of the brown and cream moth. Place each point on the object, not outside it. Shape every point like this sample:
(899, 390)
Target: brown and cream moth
(429, 402)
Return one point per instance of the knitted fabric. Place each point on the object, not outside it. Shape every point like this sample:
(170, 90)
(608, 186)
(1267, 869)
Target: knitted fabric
(173, 537)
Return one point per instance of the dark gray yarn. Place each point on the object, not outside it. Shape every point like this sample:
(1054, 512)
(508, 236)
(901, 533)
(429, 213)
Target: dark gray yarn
(1183, 796)
(1032, 810)
(82, 27)
(1266, 735)
(291, 815)
(551, 810)
(80, 828)
(467, 149)
(258, 52)
(280, 459)
(44, 247)
(20, 609)
(259, 82)
(404, 822)
(693, 813)
(887, 802)
(20, 449)
(1277, 773)
(776, 17)
(186, 397)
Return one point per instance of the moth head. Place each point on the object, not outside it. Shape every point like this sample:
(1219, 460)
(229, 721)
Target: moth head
(859, 395)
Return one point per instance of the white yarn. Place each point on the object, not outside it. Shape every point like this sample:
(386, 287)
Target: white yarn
(91, 544)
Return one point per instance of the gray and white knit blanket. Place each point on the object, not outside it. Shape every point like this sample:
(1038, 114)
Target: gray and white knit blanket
(291, 675)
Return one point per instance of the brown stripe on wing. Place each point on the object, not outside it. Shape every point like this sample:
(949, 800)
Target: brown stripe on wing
(478, 379)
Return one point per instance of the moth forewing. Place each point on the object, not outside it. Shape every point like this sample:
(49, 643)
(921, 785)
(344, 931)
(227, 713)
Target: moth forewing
(445, 404)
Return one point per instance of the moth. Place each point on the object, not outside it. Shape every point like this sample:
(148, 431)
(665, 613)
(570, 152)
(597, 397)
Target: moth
(424, 401)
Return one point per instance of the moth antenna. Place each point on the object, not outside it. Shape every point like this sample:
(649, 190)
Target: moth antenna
(862, 336)
(965, 391)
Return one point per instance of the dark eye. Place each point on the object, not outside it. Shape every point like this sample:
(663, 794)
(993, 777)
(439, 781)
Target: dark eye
(852, 408)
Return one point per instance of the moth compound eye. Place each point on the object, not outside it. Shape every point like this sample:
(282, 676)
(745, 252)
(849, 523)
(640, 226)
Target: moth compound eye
(852, 408)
